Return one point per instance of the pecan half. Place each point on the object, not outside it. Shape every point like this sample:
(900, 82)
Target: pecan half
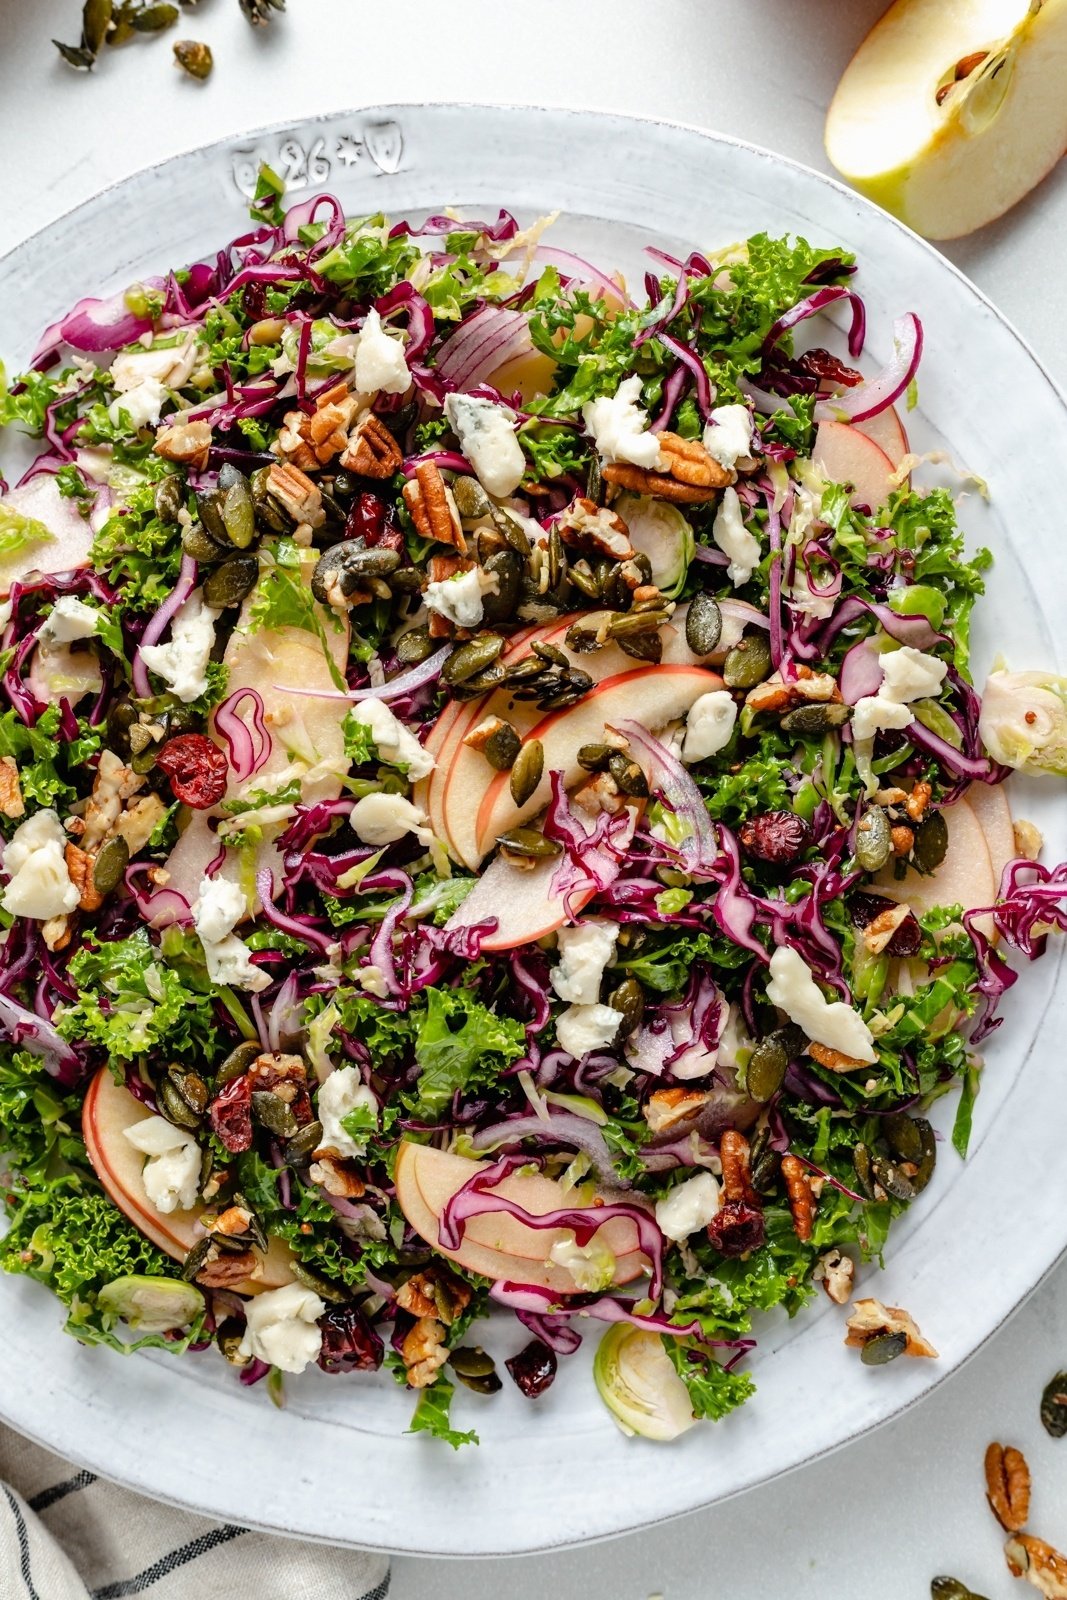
(871, 1317)
(801, 1199)
(880, 930)
(223, 1270)
(690, 473)
(57, 931)
(80, 872)
(424, 1352)
(432, 507)
(187, 442)
(835, 1271)
(1007, 1478)
(834, 1060)
(1039, 1564)
(11, 801)
(668, 1106)
(372, 451)
(295, 491)
(331, 1174)
(586, 523)
(735, 1156)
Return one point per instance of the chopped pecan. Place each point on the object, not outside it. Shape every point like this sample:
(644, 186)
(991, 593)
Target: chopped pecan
(835, 1271)
(480, 735)
(734, 1154)
(56, 932)
(585, 523)
(801, 1200)
(690, 474)
(432, 507)
(295, 491)
(291, 445)
(11, 801)
(903, 838)
(871, 1317)
(423, 1352)
(186, 442)
(333, 1175)
(773, 694)
(233, 1222)
(223, 1269)
(80, 873)
(372, 451)
(918, 800)
(834, 1060)
(1039, 1564)
(1007, 1479)
(601, 793)
(283, 1075)
(668, 1106)
(880, 930)
(434, 1293)
(114, 784)
(140, 820)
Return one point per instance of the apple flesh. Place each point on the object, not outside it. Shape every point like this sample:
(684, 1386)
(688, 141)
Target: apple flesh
(68, 548)
(109, 1109)
(949, 168)
(886, 430)
(989, 802)
(965, 876)
(495, 1244)
(845, 455)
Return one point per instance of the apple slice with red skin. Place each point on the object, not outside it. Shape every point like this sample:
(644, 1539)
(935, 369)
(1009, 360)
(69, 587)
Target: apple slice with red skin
(965, 876)
(886, 430)
(652, 696)
(109, 1109)
(845, 455)
(495, 1244)
(67, 549)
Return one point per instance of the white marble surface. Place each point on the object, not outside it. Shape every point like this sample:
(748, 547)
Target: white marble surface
(886, 1514)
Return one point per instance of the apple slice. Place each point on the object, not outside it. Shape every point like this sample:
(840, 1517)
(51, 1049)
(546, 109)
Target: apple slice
(653, 696)
(306, 729)
(66, 550)
(110, 1109)
(989, 802)
(949, 114)
(496, 1245)
(524, 904)
(886, 430)
(965, 877)
(845, 455)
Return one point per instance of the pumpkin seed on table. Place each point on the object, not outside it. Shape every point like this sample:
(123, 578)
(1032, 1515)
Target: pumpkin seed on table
(110, 865)
(527, 772)
(1054, 1406)
(952, 1589)
(231, 582)
(703, 624)
(874, 839)
(194, 58)
(748, 663)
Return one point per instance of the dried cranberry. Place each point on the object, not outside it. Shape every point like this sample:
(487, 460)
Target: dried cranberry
(906, 940)
(533, 1368)
(349, 1343)
(907, 937)
(737, 1228)
(366, 518)
(777, 837)
(819, 363)
(863, 908)
(231, 1115)
(196, 768)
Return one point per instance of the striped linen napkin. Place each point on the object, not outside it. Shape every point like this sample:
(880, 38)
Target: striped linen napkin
(69, 1535)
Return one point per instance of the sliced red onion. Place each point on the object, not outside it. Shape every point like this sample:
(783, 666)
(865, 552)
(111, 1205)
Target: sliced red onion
(300, 928)
(96, 326)
(175, 600)
(811, 307)
(672, 393)
(381, 949)
(425, 672)
(244, 755)
(583, 272)
(979, 769)
(563, 1127)
(532, 1298)
(558, 1335)
(876, 394)
(483, 342)
(163, 907)
(667, 776)
(421, 327)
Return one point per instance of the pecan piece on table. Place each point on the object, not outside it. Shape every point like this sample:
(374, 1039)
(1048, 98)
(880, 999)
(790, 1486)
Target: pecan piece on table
(1039, 1564)
(1007, 1478)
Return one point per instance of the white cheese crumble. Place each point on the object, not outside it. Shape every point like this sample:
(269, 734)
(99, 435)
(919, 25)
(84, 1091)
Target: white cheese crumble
(381, 819)
(380, 363)
(728, 435)
(688, 1207)
(734, 539)
(619, 426)
(709, 725)
(143, 405)
(486, 433)
(219, 908)
(459, 598)
(584, 952)
(171, 1175)
(395, 744)
(580, 1029)
(68, 620)
(40, 885)
(343, 1091)
(182, 663)
(281, 1327)
(168, 364)
(830, 1022)
(907, 674)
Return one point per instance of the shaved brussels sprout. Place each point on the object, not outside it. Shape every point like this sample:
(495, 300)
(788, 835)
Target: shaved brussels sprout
(638, 1384)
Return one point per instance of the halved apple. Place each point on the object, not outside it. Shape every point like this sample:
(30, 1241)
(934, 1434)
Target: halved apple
(845, 455)
(886, 430)
(496, 1245)
(965, 876)
(949, 114)
(71, 535)
(109, 1109)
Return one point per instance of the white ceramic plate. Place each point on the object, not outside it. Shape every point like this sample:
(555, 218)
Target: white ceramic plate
(335, 1464)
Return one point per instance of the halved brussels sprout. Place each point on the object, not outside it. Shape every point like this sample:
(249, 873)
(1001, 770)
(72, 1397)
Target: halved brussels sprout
(659, 531)
(638, 1384)
(1024, 720)
(151, 1305)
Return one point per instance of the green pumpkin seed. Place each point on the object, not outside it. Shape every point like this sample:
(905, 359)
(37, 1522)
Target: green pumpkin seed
(228, 584)
(471, 1361)
(1054, 1406)
(174, 1107)
(471, 499)
(153, 19)
(238, 1062)
(884, 1347)
(557, 561)
(583, 578)
(274, 1114)
(892, 1180)
(703, 624)
(642, 646)
(549, 653)
(766, 1167)
(472, 657)
(582, 640)
(302, 1145)
(527, 772)
(928, 1157)
(169, 497)
(817, 717)
(629, 624)
(595, 757)
(209, 510)
(931, 843)
(512, 530)
(748, 663)
(767, 1066)
(414, 646)
(267, 509)
(861, 1163)
(559, 702)
(501, 747)
(96, 17)
(874, 839)
(629, 998)
(951, 1589)
(594, 486)
(196, 1258)
(110, 865)
(228, 1338)
(629, 778)
(191, 1087)
(490, 677)
(506, 567)
(198, 543)
(194, 58)
(902, 1136)
(529, 844)
(326, 1288)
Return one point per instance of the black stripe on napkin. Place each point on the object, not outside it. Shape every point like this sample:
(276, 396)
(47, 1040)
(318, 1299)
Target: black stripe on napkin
(60, 1491)
(168, 1563)
(381, 1590)
(24, 1544)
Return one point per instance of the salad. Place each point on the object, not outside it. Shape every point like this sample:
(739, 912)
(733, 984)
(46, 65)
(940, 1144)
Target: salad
(495, 813)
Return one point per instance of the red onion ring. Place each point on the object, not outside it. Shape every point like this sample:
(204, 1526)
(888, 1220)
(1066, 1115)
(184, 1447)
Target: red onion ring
(243, 755)
(877, 393)
(174, 602)
(425, 672)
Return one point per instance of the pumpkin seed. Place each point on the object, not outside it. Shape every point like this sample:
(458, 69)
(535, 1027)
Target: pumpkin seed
(595, 757)
(527, 771)
(594, 483)
(274, 1114)
(584, 579)
(817, 717)
(472, 657)
(506, 567)
(110, 865)
(768, 1064)
(414, 646)
(490, 677)
(191, 1087)
(629, 778)
(928, 1158)
(766, 1165)
(902, 1136)
(512, 530)
(238, 1062)
(198, 543)
(627, 624)
(582, 640)
(861, 1164)
(530, 844)
(549, 653)
(174, 1107)
(892, 1180)
(475, 1369)
(169, 497)
(302, 1145)
(629, 998)
(528, 668)
(874, 839)
(557, 561)
(471, 499)
(235, 506)
(228, 584)
(882, 1348)
(267, 509)
(153, 19)
(501, 747)
(703, 624)
(642, 646)
(748, 663)
(931, 843)
(228, 1338)
(559, 702)
(196, 1258)
(209, 510)
(326, 1289)
(194, 57)
(952, 1589)
(1054, 1406)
